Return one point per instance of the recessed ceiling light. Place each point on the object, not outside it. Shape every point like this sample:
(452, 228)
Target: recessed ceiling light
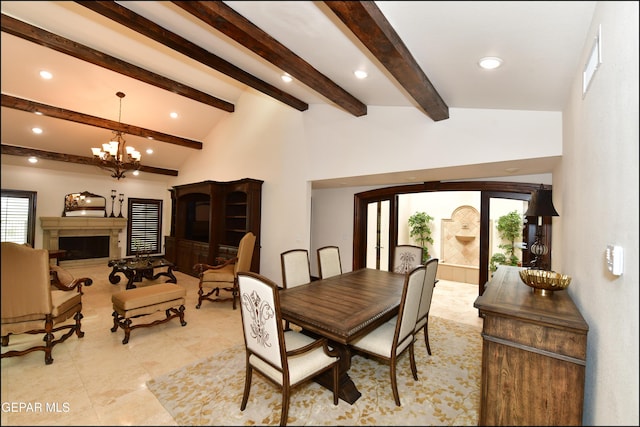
(46, 75)
(36, 130)
(286, 78)
(33, 159)
(149, 151)
(136, 172)
(174, 115)
(490, 62)
(361, 74)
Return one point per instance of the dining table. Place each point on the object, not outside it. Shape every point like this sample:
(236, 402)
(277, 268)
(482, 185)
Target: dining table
(342, 308)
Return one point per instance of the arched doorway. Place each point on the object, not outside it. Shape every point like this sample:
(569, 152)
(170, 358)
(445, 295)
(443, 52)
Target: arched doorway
(488, 190)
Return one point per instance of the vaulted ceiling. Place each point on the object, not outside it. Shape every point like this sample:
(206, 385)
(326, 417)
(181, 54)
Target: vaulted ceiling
(198, 57)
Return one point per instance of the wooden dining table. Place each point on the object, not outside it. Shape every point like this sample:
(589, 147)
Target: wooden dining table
(343, 308)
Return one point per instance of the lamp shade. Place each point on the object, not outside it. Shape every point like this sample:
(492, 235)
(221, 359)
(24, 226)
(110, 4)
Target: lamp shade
(541, 204)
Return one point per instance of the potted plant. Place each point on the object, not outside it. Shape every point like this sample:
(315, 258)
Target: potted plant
(420, 230)
(509, 228)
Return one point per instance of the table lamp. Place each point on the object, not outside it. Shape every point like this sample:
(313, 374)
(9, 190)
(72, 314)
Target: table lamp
(541, 204)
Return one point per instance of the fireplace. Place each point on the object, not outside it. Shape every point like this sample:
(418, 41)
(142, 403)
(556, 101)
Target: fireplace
(84, 247)
(57, 230)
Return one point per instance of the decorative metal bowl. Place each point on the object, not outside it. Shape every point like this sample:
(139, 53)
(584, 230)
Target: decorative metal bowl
(545, 282)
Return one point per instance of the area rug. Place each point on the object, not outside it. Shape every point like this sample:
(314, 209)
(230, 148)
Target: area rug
(209, 392)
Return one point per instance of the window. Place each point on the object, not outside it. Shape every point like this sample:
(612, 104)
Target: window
(18, 216)
(144, 228)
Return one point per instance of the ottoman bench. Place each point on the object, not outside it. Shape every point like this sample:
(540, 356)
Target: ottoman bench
(132, 303)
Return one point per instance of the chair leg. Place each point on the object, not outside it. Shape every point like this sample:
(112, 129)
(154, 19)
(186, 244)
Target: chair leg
(78, 316)
(394, 384)
(247, 386)
(426, 335)
(285, 405)
(412, 361)
(48, 339)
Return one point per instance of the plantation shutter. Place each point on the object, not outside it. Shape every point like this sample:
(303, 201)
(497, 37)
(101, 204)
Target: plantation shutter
(144, 226)
(18, 216)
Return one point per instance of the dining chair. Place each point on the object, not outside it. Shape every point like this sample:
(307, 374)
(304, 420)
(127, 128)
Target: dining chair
(422, 321)
(37, 300)
(406, 257)
(296, 270)
(214, 278)
(329, 261)
(287, 358)
(389, 340)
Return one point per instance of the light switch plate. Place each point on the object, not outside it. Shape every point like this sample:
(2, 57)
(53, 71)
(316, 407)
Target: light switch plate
(614, 256)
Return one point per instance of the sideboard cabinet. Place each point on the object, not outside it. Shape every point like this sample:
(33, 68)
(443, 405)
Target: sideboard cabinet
(534, 351)
(209, 218)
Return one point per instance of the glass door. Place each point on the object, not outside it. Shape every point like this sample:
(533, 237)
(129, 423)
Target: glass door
(378, 235)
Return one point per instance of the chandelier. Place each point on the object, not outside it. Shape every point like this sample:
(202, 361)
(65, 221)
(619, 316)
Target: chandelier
(115, 156)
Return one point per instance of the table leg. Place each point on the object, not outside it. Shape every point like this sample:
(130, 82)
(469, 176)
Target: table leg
(348, 390)
(131, 276)
(169, 274)
(113, 278)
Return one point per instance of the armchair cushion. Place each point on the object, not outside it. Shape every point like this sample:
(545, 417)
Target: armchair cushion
(224, 274)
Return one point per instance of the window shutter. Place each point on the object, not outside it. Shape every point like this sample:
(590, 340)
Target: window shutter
(145, 225)
(18, 216)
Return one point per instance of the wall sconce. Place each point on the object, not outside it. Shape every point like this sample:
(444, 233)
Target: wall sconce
(541, 204)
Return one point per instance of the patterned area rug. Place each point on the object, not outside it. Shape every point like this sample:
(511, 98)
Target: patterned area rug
(209, 392)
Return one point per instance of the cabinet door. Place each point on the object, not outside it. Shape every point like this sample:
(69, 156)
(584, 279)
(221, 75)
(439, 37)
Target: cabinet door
(170, 249)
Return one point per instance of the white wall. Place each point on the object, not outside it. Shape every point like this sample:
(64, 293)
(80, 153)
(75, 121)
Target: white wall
(596, 194)
(52, 186)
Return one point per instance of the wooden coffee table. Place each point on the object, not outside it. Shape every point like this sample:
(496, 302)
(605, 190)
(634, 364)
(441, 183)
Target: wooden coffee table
(135, 269)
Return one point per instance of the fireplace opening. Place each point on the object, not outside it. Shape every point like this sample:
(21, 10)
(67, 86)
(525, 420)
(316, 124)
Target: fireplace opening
(84, 247)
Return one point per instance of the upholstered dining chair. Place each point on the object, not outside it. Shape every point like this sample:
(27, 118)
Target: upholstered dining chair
(38, 301)
(406, 258)
(224, 277)
(390, 340)
(287, 358)
(329, 261)
(422, 321)
(296, 270)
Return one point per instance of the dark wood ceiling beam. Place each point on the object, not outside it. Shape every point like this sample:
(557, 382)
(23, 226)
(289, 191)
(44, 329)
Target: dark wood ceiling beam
(70, 158)
(44, 38)
(142, 25)
(73, 116)
(367, 22)
(235, 26)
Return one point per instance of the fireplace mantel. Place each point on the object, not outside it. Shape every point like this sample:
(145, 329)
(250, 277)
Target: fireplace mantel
(54, 227)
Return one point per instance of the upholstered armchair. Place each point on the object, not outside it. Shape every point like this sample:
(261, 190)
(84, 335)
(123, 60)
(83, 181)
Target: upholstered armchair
(38, 299)
(224, 277)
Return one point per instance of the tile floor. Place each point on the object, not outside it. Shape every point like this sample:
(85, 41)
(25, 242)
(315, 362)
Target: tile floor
(97, 380)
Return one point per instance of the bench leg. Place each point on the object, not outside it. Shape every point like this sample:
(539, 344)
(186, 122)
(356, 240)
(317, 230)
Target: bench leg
(125, 323)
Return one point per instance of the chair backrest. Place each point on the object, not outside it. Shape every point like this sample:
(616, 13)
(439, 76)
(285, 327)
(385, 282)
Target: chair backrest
(406, 258)
(261, 319)
(427, 291)
(408, 312)
(329, 261)
(26, 283)
(245, 253)
(295, 268)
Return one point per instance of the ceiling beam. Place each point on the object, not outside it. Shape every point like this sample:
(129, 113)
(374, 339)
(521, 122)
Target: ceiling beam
(70, 158)
(44, 38)
(226, 20)
(142, 25)
(367, 22)
(85, 119)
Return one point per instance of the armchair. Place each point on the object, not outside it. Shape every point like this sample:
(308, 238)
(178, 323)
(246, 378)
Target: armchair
(214, 278)
(37, 300)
